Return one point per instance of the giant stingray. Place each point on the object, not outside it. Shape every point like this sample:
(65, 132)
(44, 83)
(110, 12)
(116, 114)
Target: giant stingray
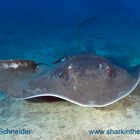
(85, 79)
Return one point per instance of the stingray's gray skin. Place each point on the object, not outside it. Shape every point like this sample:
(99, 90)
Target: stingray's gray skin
(14, 74)
(86, 80)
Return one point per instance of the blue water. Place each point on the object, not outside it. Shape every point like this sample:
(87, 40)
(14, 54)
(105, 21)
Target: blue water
(43, 31)
(46, 30)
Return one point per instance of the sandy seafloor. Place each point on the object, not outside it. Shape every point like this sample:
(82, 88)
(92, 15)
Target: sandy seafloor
(61, 120)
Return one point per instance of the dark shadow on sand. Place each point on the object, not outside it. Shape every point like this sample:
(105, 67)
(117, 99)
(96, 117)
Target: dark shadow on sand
(44, 99)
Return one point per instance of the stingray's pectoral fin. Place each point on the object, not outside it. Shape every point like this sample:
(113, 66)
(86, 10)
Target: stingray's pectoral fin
(15, 76)
(134, 70)
(135, 73)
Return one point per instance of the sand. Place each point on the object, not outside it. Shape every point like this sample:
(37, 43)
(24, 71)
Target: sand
(61, 120)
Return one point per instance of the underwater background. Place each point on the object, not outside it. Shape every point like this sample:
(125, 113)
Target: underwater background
(46, 30)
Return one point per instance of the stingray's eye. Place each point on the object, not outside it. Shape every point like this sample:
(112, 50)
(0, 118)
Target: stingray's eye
(111, 72)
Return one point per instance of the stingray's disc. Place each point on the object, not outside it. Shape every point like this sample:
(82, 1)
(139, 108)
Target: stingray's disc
(86, 80)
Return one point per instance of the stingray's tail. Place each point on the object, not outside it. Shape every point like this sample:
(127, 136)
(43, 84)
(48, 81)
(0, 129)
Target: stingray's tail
(78, 31)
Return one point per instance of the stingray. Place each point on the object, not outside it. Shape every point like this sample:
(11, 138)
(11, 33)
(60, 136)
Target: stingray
(85, 79)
